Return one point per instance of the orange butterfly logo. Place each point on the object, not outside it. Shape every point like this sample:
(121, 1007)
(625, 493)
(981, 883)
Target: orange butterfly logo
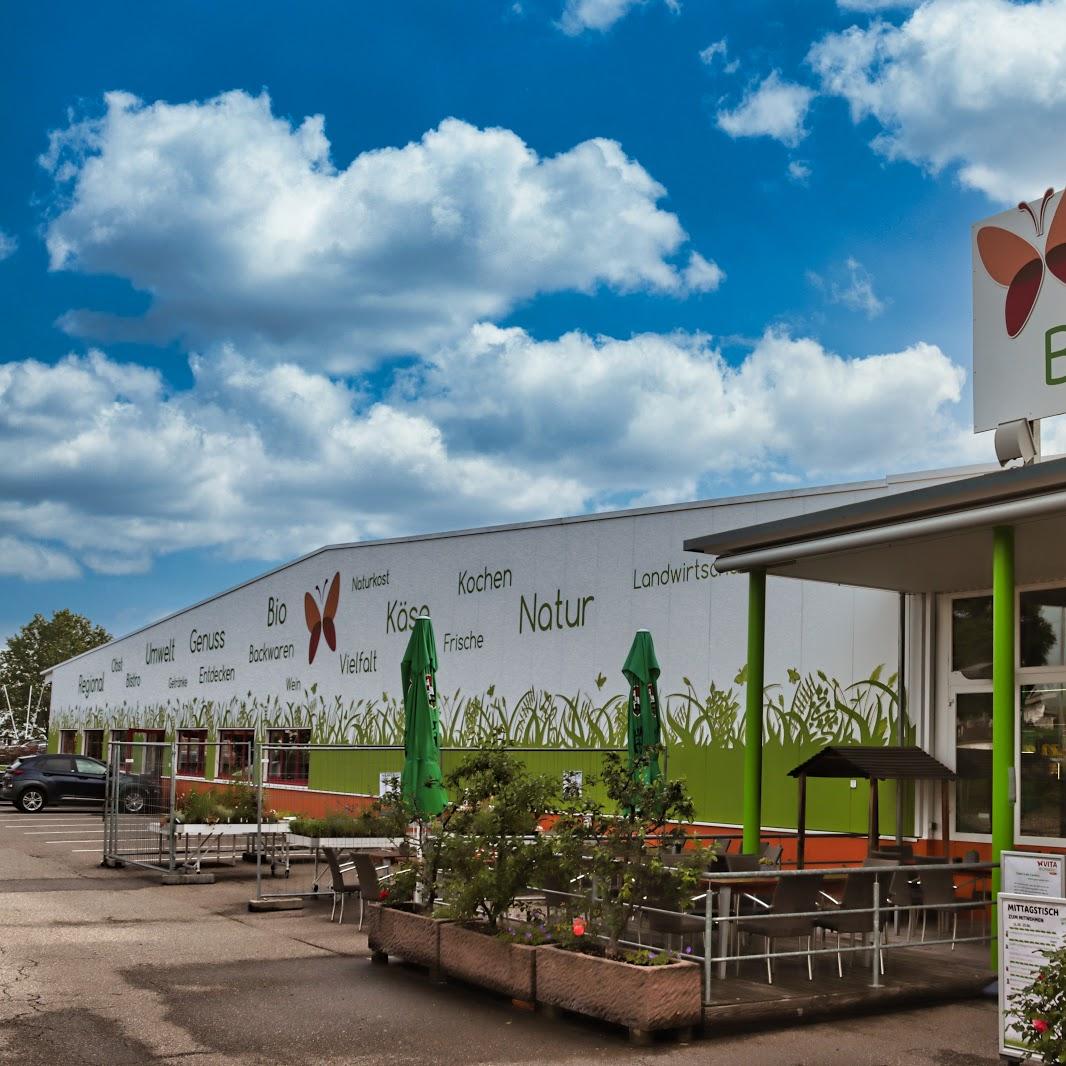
(1013, 262)
(320, 622)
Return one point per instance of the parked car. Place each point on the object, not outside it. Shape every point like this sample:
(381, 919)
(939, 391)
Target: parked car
(32, 782)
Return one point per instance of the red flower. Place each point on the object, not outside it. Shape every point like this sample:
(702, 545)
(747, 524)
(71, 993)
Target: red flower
(1040, 1025)
(579, 927)
(383, 894)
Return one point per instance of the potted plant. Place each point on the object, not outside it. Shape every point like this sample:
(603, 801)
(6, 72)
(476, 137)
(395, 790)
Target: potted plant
(617, 850)
(383, 824)
(398, 925)
(488, 852)
(1041, 1009)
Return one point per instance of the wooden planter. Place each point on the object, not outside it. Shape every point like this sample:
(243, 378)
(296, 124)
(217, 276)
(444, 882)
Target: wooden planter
(642, 998)
(483, 960)
(400, 931)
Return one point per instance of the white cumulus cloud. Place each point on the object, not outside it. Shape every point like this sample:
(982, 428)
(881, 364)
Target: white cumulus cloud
(773, 108)
(852, 286)
(871, 6)
(241, 228)
(34, 562)
(8, 245)
(974, 85)
(581, 15)
(106, 467)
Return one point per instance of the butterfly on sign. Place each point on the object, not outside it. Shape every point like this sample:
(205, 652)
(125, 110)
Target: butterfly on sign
(320, 614)
(1013, 262)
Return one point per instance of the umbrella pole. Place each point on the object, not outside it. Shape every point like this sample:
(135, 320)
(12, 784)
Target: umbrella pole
(801, 822)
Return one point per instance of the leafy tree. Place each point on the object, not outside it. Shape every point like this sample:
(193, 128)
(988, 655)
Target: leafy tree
(40, 643)
(489, 845)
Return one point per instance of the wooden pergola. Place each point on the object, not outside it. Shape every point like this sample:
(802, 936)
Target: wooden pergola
(873, 764)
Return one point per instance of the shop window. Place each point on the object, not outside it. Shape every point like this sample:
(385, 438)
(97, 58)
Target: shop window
(235, 748)
(1043, 627)
(68, 741)
(288, 765)
(973, 762)
(140, 750)
(192, 748)
(92, 743)
(971, 637)
(1042, 785)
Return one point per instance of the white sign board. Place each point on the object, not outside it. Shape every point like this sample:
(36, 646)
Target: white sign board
(1019, 314)
(1033, 873)
(1028, 926)
(388, 782)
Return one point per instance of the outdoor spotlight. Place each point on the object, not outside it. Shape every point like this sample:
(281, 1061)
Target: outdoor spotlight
(1017, 440)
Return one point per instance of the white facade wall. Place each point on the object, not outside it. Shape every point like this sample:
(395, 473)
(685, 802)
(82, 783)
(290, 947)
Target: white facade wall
(554, 607)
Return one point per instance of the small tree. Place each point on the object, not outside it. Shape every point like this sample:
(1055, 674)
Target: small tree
(489, 845)
(620, 846)
(1041, 1009)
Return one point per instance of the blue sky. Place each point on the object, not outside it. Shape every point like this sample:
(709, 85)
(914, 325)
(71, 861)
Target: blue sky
(273, 277)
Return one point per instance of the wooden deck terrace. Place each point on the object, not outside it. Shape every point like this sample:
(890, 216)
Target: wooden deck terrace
(914, 976)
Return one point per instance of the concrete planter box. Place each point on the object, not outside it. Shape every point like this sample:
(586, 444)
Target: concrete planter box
(642, 998)
(396, 931)
(483, 960)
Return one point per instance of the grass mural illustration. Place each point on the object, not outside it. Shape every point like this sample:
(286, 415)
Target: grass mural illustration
(811, 708)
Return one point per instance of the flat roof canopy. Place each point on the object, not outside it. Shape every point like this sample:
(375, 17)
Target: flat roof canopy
(936, 539)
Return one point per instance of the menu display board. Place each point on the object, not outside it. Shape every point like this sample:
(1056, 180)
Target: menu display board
(1033, 873)
(1028, 926)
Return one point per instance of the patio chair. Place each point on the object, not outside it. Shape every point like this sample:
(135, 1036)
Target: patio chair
(747, 902)
(369, 885)
(722, 844)
(788, 916)
(771, 854)
(858, 894)
(342, 886)
(669, 922)
(938, 894)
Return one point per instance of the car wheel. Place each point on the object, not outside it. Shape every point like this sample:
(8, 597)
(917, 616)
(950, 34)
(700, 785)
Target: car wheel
(31, 800)
(133, 801)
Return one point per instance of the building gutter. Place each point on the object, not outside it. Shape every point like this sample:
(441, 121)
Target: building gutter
(995, 514)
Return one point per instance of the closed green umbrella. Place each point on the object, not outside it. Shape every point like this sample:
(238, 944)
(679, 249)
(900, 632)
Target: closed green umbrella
(422, 783)
(641, 670)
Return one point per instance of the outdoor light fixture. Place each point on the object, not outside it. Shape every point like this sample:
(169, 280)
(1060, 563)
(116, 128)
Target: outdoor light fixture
(1017, 440)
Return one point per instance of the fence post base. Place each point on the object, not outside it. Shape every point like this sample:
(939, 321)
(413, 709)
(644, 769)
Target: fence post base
(174, 877)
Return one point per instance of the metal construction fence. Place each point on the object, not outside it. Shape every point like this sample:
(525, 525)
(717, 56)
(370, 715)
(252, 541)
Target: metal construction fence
(177, 806)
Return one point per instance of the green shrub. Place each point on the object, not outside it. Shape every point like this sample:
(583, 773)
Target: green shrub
(489, 845)
(620, 848)
(1041, 1009)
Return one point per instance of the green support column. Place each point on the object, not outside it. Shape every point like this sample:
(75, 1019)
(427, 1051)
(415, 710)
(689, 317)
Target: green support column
(1003, 697)
(753, 711)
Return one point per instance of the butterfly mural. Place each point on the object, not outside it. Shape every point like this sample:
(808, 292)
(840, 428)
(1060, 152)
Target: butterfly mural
(1016, 264)
(320, 613)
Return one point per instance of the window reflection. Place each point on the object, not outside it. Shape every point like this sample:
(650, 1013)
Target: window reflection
(971, 637)
(1042, 627)
(1043, 742)
(973, 762)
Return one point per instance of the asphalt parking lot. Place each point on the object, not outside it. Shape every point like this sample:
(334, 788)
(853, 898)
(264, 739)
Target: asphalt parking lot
(108, 967)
